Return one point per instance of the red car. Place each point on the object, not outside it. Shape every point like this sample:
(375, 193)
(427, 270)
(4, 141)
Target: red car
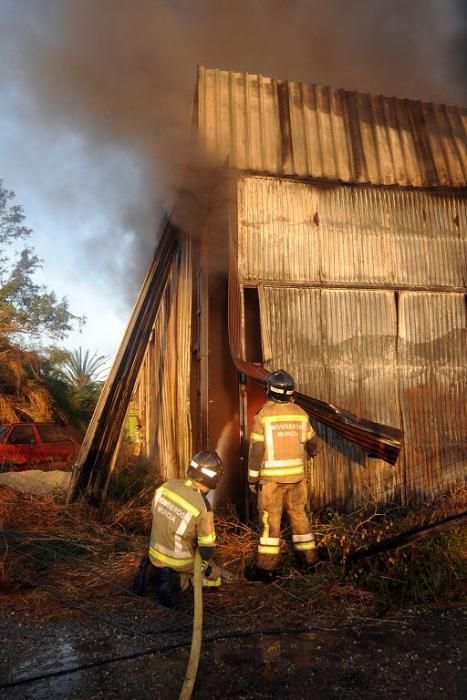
(35, 446)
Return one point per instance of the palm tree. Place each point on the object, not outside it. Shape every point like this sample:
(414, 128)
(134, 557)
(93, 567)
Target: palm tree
(74, 379)
(83, 371)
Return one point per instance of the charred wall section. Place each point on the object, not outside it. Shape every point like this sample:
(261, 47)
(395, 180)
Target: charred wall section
(222, 413)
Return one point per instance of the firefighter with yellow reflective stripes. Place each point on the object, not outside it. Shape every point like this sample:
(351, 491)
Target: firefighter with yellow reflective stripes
(182, 519)
(280, 441)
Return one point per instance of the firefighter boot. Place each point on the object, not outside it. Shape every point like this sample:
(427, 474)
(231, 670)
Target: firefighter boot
(169, 584)
(308, 561)
(138, 586)
(254, 573)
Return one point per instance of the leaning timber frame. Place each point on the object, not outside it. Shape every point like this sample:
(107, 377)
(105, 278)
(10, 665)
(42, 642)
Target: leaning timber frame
(92, 470)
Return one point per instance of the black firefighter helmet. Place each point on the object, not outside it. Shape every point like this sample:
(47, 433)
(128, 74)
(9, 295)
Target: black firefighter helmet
(207, 468)
(280, 386)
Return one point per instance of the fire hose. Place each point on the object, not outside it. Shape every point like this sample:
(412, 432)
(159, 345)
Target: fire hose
(197, 635)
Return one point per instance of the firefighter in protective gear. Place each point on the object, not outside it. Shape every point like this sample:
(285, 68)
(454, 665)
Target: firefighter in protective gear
(182, 519)
(280, 441)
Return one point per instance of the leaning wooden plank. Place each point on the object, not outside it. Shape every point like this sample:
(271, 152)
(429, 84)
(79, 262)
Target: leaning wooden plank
(91, 470)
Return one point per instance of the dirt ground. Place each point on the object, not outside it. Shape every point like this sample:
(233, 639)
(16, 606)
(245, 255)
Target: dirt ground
(71, 628)
(410, 653)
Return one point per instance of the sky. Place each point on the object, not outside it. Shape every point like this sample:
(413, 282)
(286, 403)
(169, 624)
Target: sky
(95, 107)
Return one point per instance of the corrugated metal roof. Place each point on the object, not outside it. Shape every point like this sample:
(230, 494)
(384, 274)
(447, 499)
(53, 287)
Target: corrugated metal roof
(283, 127)
(355, 236)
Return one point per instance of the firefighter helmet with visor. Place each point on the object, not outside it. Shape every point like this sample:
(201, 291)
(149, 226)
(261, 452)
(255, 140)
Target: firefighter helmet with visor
(206, 467)
(280, 386)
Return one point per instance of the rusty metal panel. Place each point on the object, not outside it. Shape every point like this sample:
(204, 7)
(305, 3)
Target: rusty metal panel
(391, 237)
(402, 364)
(433, 376)
(358, 236)
(399, 259)
(340, 345)
(377, 439)
(288, 128)
(268, 209)
(291, 321)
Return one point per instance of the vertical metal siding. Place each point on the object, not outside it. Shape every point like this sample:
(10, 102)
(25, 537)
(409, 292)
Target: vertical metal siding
(433, 376)
(265, 252)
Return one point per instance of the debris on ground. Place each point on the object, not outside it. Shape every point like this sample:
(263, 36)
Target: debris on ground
(36, 481)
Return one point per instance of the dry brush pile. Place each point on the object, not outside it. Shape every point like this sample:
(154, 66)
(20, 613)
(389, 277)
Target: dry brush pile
(53, 551)
(23, 395)
(53, 554)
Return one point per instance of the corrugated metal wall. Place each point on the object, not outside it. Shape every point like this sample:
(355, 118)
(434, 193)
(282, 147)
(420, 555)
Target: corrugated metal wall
(338, 271)
(163, 389)
(351, 235)
(433, 382)
(294, 129)
(340, 345)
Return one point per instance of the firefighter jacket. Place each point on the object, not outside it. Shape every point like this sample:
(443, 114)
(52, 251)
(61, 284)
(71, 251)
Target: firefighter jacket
(182, 519)
(278, 440)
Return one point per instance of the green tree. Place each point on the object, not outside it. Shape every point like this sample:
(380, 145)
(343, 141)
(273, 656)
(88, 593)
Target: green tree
(26, 307)
(38, 383)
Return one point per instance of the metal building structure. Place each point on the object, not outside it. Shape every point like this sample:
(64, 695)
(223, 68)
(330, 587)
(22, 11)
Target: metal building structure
(338, 222)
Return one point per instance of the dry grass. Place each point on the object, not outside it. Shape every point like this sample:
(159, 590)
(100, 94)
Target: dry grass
(88, 555)
(63, 548)
(32, 403)
(134, 516)
(22, 512)
(7, 411)
(23, 395)
(236, 542)
(426, 571)
(36, 400)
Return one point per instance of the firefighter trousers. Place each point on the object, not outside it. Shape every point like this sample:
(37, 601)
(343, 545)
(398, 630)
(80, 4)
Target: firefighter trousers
(272, 498)
(149, 574)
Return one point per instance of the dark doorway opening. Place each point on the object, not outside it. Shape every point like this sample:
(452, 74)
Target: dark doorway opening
(253, 345)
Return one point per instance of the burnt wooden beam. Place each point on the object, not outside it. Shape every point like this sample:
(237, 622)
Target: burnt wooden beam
(413, 535)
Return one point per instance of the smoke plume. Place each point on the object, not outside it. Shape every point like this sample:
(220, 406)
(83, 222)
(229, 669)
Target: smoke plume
(114, 80)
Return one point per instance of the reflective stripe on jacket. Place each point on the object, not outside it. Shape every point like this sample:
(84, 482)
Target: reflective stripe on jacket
(277, 443)
(181, 518)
